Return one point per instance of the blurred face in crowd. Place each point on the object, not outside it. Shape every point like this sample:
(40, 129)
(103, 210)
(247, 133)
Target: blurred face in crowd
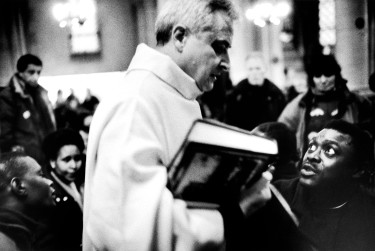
(324, 83)
(328, 159)
(73, 104)
(256, 70)
(39, 189)
(68, 162)
(206, 53)
(31, 74)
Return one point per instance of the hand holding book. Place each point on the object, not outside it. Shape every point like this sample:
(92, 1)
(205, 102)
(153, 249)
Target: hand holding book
(254, 197)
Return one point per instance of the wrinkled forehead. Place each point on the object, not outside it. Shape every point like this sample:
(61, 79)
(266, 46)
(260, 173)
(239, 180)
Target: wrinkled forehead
(334, 136)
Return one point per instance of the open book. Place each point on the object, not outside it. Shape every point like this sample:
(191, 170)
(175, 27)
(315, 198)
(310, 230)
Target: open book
(216, 158)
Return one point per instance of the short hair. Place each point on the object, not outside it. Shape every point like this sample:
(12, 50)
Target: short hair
(197, 15)
(26, 60)
(257, 55)
(11, 165)
(361, 141)
(62, 137)
(285, 138)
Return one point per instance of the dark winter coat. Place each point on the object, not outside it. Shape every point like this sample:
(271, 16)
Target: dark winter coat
(26, 117)
(249, 105)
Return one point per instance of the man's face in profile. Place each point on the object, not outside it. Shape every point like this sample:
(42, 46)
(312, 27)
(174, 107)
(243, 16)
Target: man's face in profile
(206, 53)
(31, 74)
(328, 159)
(39, 189)
(255, 71)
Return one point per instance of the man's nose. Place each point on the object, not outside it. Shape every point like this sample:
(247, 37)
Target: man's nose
(74, 164)
(35, 77)
(49, 182)
(323, 78)
(224, 66)
(314, 156)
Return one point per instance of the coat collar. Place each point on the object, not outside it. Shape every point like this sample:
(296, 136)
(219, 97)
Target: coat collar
(166, 69)
(19, 86)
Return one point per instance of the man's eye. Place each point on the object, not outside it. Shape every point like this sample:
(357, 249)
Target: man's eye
(330, 152)
(219, 48)
(312, 147)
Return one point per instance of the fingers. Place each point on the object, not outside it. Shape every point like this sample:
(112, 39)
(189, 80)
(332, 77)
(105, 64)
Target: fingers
(267, 175)
(257, 195)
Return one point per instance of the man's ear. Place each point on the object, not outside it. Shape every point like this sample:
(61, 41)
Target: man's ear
(18, 187)
(179, 34)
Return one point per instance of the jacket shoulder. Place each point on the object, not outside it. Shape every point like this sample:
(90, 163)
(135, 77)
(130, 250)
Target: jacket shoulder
(7, 243)
(272, 86)
(7, 96)
(6, 90)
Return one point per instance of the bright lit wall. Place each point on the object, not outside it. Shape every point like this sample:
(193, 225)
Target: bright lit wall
(117, 31)
(100, 84)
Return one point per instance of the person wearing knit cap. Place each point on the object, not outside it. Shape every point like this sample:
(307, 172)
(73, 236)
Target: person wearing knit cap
(327, 98)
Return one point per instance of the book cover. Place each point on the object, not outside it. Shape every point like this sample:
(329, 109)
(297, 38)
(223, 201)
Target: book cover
(216, 158)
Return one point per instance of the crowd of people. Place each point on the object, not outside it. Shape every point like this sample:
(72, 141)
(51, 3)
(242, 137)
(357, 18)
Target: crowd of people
(62, 191)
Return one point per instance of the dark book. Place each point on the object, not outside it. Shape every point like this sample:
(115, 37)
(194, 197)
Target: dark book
(216, 158)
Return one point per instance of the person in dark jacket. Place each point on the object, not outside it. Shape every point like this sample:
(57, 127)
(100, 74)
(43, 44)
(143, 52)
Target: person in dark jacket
(256, 99)
(332, 209)
(327, 98)
(26, 196)
(64, 150)
(26, 114)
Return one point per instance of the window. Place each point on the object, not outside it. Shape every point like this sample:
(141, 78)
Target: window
(327, 23)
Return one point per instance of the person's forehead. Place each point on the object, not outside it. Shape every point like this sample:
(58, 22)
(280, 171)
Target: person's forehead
(34, 67)
(333, 136)
(68, 149)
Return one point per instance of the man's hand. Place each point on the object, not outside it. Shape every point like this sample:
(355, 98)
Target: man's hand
(256, 196)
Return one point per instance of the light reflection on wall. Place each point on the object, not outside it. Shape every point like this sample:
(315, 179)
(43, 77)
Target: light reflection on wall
(100, 84)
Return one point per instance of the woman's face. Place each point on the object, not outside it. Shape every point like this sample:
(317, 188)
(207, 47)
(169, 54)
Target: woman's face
(68, 162)
(324, 83)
